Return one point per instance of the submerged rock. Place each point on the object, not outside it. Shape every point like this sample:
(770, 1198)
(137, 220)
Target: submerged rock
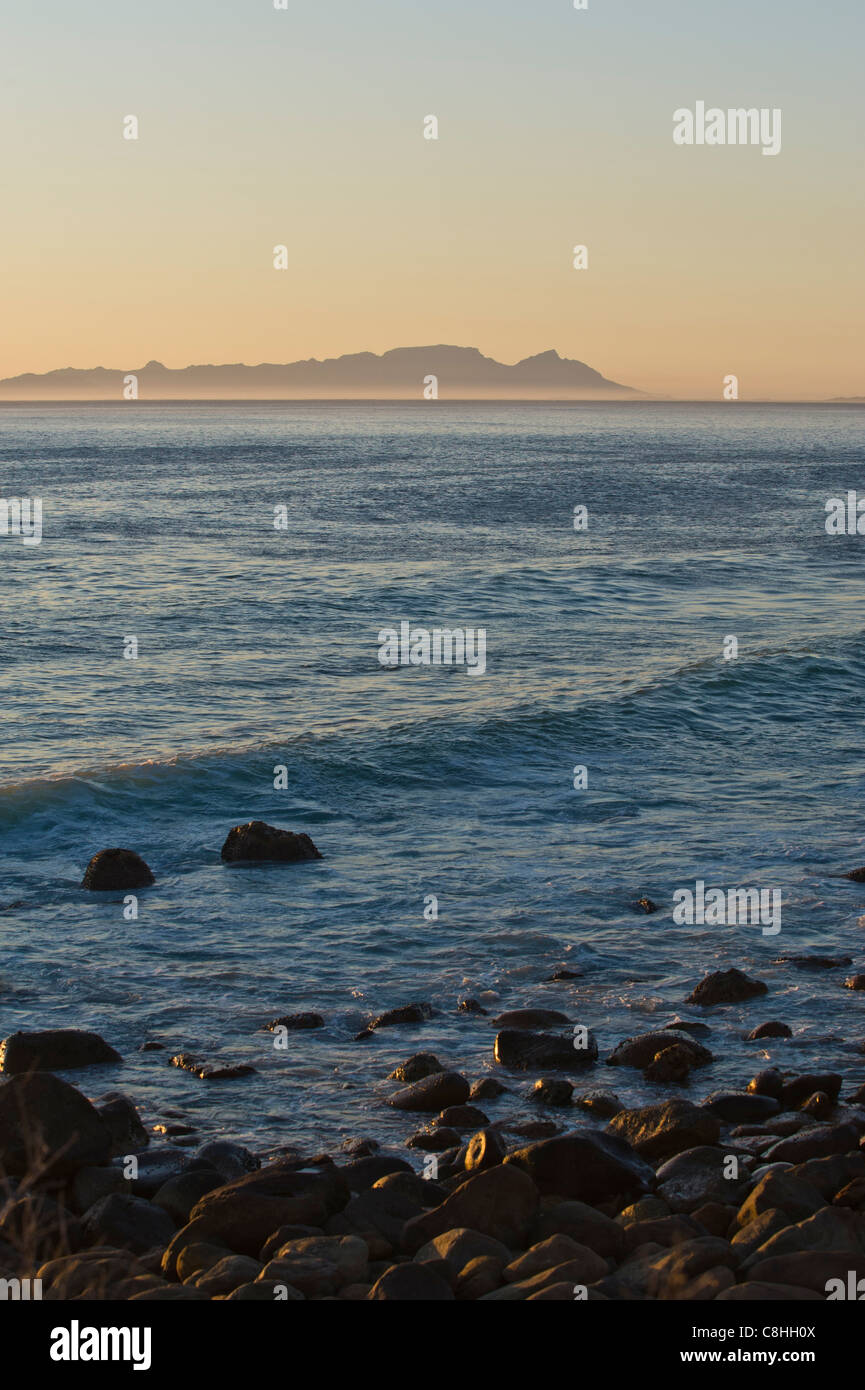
(726, 987)
(257, 841)
(296, 1021)
(420, 1065)
(113, 869)
(641, 1050)
(55, 1049)
(530, 1018)
(769, 1030)
(406, 1013)
(210, 1071)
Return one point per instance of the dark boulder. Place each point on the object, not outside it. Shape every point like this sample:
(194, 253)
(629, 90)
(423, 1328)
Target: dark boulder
(726, 987)
(740, 1107)
(432, 1093)
(585, 1166)
(769, 1030)
(47, 1125)
(406, 1013)
(55, 1049)
(658, 1132)
(114, 869)
(296, 1021)
(530, 1018)
(526, 1051)
(257, 841)
(643, 1049)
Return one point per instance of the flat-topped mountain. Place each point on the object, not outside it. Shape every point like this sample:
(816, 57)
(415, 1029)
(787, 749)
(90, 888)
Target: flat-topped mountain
(460, 373)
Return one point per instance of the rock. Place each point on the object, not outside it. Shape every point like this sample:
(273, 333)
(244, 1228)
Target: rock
(688, 1025)
(584, 1225)
(35, 1228)
(531, 1129)
(89, 1184)
(749, 1238)
(530, 1018)
(243, 1213)
(121, 1119)
(113, 869)
(604, 1104)
(853, 1195)
(406, 1013)
(152, 1046)
(829, 1175)
(423, 1191)
(488, 1088)
(46, 1123)
(767, 1083)
(432, 1093)
(258, 841)
(227, 1274)
(758, 1292)
(646, 1209)
(735, 1107)
(855, 982)
(501, 1202)
(769, 1030)
(646, 905)
(819, 1105)
(725, 987)
(281, 1237)
(812, 962)
(230, 1160)
(817, 1142)
(583, 1165)
(857, 875)
(470, 1006)
(93, 1274)
(479, 1277)
(349, 1254)
(523, 1050)
(313, 1276)
(128, 1222)
(585, 1270)
(697, 1176)
(798, 1089)
(832, 1229)
(55, 1049)
(364, 1173)
(779, 1190)
(296, 1021)
(486, 1149)
(716, 1218)
(462, 1117)
(377, 1216)
(155, 1167)
(411, 1283)
(809, 1269)
(421, 1065)
(180, 1194)
(563, 974)
(460, 1247)
(550, 1092)
(658, 1132)
(641, 1050)
(550, 1254)
(433, 1140)
(671, 1065)
(665, 1232)
(210, 1071)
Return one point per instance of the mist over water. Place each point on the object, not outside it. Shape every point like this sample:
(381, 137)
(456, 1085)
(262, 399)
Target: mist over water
(259, 647)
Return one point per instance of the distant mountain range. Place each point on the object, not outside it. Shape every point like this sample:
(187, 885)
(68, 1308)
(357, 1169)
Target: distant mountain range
(461, 373)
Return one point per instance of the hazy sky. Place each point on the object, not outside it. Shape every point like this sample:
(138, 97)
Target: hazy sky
(304, 126)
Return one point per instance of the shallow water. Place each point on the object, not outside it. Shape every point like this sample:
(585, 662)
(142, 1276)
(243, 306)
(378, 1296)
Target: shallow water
(258, 648)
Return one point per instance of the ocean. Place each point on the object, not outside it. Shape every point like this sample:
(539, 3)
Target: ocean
(258, 649)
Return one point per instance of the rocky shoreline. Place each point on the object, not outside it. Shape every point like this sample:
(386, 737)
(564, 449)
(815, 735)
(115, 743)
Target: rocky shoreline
(532, 1183)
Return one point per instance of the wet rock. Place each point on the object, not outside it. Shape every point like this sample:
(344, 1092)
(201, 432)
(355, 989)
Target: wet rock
(471, 1006)
(819, 1105)
(548, 1091)
(523, 1050)
(563, 974)
(364, 1173)
(769, 1083)
(658, 1132)
(46, 1123)
(154, 1167)
(486, 1149)
(531, 1129)
(296, 1022)
(641, 1050)
(121, 1119)
(604, 1104)
(416, 1068)
(740, 1107)
(55, 1049)
(210, 1071)
(415, 1283)
(462, 1117)
(258, 841)
(127, 1222)
(769, 1030)
(812, 962)
(697, 1176)
(671, 1065)
(796, 1090)
(406, 1013)
(433, 1093)
(113, 869)
(230, 1160)
(152, 1047)
(501, 1202)
(433, 1140)
(855, 982)
(646, 905)
(487, 1088)
(857, 875)
(820, 1141)
(583, 1165)
(726, 987)
(689, 1026)
(530, 1018)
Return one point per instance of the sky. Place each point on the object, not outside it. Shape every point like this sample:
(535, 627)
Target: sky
(304, 127)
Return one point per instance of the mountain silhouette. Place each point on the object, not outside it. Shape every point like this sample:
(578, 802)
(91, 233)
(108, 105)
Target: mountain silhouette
(462, 373)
